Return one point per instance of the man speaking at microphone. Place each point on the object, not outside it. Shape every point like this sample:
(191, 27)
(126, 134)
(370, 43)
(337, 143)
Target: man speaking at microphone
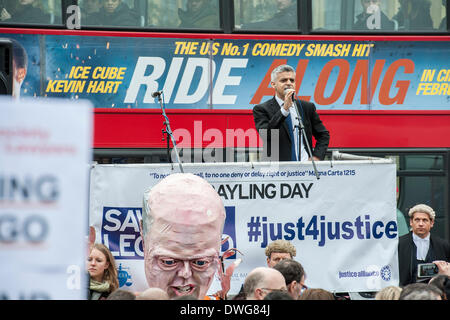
(283, 113)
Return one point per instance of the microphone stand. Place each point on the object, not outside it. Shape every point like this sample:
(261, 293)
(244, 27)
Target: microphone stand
(301, 129)
(168, 131)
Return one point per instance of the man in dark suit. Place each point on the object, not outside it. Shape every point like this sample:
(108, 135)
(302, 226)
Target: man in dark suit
(280, 113)
(419, 246)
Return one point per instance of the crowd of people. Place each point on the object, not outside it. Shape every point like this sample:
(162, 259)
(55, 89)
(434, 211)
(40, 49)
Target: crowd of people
(282, 279)
(182, 225)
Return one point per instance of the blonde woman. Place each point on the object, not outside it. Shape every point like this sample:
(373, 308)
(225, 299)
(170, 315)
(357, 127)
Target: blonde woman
(102, 271)
(389, 293)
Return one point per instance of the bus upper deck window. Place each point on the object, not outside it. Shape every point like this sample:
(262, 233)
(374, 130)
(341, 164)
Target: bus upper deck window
(379, 15)
(419, 15)
(114, 13)
(280, 15)
(42, 12)
(400, 15)
(374, 15)
(326, 15)
(185, 14)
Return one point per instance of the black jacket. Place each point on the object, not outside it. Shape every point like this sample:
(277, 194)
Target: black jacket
(123, 16)
(207, 18)
(268, 116)
(361, 22)
(282, 20)
(29, 14)
(407, 251)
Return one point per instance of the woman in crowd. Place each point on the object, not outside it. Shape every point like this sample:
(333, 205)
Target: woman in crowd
(389, 293)
(102, 272)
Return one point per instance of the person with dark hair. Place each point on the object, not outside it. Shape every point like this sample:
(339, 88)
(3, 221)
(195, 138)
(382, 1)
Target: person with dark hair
(200, 14)
(372, 17)
(121, 294)
(278, 295)
(187, 297)
(113, 13)
(443, 283)
(284, 19)
(280, 114)
(294, 276)
(420, 291)
(25, 11)
(414, 15)
(316, 294)
(91, 6)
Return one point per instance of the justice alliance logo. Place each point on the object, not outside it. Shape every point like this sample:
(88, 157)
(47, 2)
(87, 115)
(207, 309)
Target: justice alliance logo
(385, 273)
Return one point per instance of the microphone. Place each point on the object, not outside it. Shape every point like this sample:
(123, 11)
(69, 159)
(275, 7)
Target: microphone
(288, 90)
(156, 94)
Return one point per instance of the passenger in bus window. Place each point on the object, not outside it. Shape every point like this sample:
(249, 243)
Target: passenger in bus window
(414, 15)
(372, 17)
(200, 14)
(90, 6)
(114, 13)
(24, 11)
(284, 19)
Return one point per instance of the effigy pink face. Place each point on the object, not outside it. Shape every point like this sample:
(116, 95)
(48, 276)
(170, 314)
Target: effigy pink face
(180, 274)
(183, 235)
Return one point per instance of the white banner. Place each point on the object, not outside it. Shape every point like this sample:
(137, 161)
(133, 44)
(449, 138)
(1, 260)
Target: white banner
(45, 152)
(343, 224)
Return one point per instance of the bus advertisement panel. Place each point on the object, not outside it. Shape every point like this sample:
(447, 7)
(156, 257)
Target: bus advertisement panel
(198, 73)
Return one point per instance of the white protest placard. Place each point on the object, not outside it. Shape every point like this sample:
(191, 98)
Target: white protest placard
(343, 224)
(45, 156)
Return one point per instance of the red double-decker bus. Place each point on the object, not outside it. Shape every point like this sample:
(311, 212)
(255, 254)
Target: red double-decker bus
(377, 71)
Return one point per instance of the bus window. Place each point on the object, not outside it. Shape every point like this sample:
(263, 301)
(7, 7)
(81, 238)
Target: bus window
(429, 190)
(113, 13)
(41, 12)
(326, 15)
(185, 14)
(379, 15)
(375, 15)
(423, 162)
(420, 15)
(281, 15)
